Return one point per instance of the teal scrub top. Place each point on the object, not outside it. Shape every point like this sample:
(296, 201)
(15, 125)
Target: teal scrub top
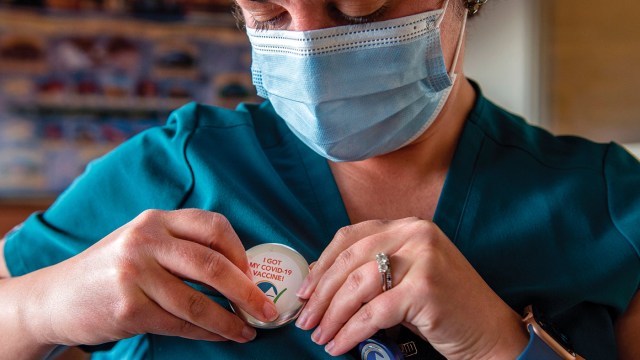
(547, 220)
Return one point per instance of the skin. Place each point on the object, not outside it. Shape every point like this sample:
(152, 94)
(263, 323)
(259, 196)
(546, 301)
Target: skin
(134, 286)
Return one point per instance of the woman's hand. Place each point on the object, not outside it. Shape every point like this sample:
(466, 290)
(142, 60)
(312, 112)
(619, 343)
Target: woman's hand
(436, 293)
(131, 282)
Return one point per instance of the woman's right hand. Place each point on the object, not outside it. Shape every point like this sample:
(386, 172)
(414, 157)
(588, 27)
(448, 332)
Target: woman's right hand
(131, 282)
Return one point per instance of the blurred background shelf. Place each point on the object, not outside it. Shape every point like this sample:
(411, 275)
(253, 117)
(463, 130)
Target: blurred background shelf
(79, 77)
(98, 104)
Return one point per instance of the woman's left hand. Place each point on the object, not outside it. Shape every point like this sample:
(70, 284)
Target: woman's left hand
(436, 293)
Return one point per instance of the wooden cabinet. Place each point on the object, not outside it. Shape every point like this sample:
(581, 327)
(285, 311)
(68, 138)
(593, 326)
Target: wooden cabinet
(13, 213)
(592, 51)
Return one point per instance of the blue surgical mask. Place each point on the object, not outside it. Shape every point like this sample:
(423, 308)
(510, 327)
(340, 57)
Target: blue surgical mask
(354, 92)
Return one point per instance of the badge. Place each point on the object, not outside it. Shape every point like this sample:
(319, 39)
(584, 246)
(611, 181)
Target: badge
(278, 271)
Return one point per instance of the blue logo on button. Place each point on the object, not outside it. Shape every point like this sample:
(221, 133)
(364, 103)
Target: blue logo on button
(270, 290)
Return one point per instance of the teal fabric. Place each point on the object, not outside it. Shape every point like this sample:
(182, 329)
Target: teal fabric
(545, 220)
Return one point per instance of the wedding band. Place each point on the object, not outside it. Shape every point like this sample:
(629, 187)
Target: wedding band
(384, 268)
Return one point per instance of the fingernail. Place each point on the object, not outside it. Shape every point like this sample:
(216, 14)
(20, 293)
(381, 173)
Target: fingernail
(303, 319)
(329, 347)
(302, 291)
(269, 310)
(316, 335)
(249, 333)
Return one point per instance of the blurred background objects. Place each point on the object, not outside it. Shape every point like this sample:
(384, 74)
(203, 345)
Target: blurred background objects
(78, 77)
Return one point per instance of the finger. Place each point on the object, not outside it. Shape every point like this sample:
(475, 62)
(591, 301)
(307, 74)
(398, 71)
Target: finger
(344, 238)
(358, 254)
(361, 287)
(138, 314)
(194, 262)
(210, 229)
(158, 321)
(193, 307)
(377, 314)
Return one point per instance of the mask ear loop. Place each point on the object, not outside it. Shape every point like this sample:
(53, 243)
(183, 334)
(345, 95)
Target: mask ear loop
(444, 11)
(452, 73)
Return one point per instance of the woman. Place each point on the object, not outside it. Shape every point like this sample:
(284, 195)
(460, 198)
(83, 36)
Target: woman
(363, 148)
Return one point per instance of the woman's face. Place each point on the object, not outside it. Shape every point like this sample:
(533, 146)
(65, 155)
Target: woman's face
(299, 15)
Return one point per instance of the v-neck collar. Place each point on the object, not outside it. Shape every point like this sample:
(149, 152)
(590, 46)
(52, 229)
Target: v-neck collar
(326, 191)
(458, 183)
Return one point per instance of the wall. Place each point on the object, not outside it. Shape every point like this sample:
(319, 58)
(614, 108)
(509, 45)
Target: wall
(502, 55)
(515, 54)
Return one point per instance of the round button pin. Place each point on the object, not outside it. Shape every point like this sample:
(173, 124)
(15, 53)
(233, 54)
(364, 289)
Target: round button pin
(379, 349)
(278, 271)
